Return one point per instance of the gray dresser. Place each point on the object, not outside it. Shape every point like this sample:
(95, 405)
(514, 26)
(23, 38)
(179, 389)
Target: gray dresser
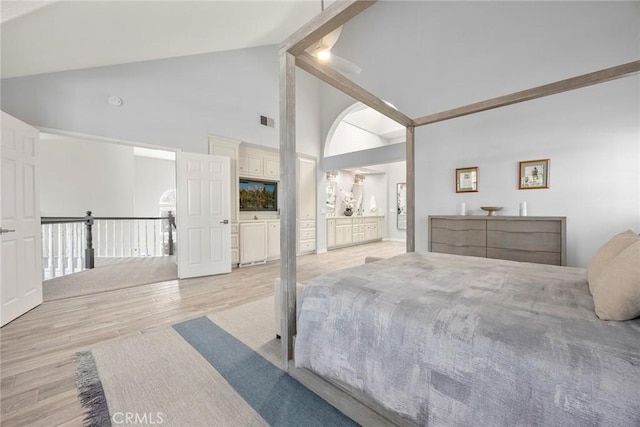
(540, 240)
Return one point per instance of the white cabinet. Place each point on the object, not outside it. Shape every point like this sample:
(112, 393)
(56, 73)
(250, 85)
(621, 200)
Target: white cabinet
(370, 228)
(344, 232)
(306, 195)
(259, 241)
(250, 165)
(306, 188)
(220, 146)
(271, 168)
(306, 236)
(331, 232)
(353, 230)
(235, 245)
(273, 239)
(253, 242)
(256, 163)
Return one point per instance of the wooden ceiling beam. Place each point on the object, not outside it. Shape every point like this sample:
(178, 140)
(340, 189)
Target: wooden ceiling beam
(337, 14)
(533, 93)
(340, 82)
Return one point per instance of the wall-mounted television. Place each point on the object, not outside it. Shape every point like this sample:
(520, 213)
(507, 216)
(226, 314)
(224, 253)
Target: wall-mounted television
(257, 195)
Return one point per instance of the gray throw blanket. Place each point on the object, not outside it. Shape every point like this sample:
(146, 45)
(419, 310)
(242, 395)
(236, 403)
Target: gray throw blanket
(446, 340)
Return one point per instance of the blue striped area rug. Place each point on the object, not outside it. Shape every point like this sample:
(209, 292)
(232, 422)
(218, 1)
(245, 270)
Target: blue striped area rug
(198, 374)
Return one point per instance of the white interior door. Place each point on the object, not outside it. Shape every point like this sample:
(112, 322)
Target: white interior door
(21, 238)
(203, 214)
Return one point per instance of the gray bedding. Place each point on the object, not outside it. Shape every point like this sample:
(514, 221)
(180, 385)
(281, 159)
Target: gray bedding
(445, 340)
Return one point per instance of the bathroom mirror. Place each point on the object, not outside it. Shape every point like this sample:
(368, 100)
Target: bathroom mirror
(402, 206)
(331, 194)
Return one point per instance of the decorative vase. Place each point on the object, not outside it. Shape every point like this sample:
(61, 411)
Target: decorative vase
(348, 212)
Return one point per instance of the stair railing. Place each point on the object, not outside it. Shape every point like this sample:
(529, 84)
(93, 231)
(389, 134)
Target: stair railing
(71, 244)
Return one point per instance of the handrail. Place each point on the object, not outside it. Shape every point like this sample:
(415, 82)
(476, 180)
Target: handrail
(55, 220)
(89, 220)
(59, 220)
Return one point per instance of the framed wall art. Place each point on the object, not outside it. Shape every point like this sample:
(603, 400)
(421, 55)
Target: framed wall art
(467, 180)
(534, 174)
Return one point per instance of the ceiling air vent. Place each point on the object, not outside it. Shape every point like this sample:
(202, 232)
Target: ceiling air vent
(267, 121)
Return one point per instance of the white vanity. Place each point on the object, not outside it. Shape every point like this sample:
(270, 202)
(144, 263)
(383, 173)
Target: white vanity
(354, 230)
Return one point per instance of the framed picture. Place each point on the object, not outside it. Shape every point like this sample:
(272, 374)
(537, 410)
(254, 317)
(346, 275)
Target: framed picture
(534, 174)
(467, 180)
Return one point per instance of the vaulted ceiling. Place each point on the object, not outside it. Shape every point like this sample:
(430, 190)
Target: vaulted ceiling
(48, 36)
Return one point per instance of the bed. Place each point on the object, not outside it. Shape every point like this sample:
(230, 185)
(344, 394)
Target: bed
(446, 340)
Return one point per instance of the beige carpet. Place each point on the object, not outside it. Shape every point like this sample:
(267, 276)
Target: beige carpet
(110, 274)
(158, 376)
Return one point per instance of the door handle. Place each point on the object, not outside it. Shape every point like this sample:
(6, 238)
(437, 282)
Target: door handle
(226, 221)
(5, 230)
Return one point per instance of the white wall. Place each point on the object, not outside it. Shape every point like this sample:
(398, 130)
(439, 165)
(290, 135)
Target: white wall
(79, 175)
(152, 178)
(107, 179)
(173, 102)
(348, 138)
(470, 51)
(591, 139)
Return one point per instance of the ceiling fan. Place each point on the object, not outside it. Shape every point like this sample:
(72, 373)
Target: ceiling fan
(321, 50)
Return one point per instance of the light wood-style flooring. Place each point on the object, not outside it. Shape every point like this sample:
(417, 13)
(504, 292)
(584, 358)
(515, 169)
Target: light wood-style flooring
(36, 350)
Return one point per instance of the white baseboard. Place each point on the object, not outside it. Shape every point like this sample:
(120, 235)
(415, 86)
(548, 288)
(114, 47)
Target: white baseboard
(393, 240)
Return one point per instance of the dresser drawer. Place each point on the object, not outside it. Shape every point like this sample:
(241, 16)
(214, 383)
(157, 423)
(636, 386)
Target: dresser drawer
(452, 224)
(524, 226)
(542, 242)
(526, 239)
(459, 237)
(552, 258)
(459, 250)
(343, 222)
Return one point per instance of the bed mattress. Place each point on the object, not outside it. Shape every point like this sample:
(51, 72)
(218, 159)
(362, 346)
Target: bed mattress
(446, 340)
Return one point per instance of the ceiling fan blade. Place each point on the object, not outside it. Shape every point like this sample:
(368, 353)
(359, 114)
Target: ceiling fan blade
(343, 65)
(330, 39)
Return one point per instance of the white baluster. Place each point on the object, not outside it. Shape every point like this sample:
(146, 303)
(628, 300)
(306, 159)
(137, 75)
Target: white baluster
(162, 233)
(114, 240)
(155, 238)
(83, 239)
(122, 238)
(138, 238)
(59, 245)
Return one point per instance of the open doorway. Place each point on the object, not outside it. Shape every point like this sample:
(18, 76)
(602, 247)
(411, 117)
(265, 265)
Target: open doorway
(125, 188)
(364, 167)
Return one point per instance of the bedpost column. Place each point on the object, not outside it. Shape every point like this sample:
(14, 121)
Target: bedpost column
(411, 190)
(288, 206)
